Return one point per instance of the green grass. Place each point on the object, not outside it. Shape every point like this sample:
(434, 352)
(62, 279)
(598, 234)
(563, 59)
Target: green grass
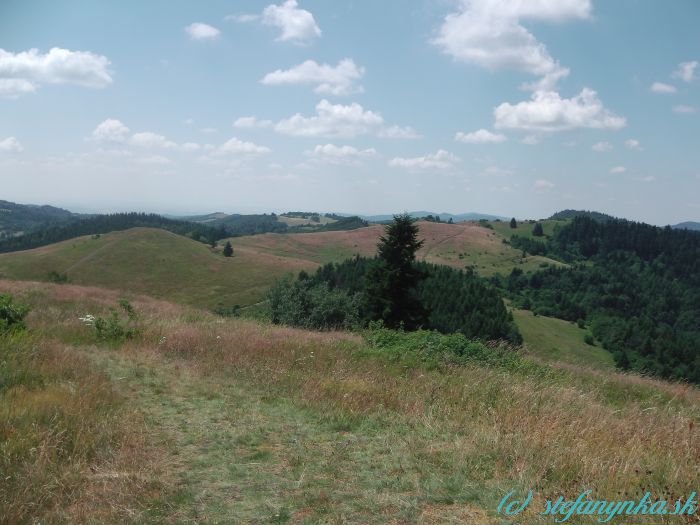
(157, 263)
(524, 228)
(554, 340)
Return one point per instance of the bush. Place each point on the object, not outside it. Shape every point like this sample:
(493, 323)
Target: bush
(11, 314)
(117, 326)
(58, 278)
(307, 305)
(589, 340)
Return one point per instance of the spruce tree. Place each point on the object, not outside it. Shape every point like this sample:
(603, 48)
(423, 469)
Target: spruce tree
(390, 284)
(513, 223)
(228, 249)
(537, 230)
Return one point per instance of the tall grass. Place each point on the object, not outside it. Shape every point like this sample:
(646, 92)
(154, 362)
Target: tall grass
(557, 430)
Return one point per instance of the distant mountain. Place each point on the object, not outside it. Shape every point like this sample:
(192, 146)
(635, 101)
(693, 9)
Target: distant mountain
(570, 214)
(460, 217)
(688, 225)
(18, 218)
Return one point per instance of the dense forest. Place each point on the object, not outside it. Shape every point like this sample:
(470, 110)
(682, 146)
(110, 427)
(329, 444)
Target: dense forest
(453, 300)
(637, 286)
(99, 224)
(17, 218)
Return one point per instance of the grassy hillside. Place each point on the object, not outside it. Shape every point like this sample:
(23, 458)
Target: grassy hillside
(165, 265)
(524, 228)
(158, 263)
(554, 340)
(210, 420)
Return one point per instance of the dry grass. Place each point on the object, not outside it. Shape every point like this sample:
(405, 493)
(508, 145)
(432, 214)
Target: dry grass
(448, 430)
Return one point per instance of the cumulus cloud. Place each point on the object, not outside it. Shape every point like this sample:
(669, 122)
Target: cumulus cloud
(543, 184)
(11, 145)
(547, 111)
(200, 31)
(339, 80)
(633, 144)
(441, 159)
(489, 33)
(618, 169)
(251, 122)
(340, 154)
(24, 72)
(660, 87)
(481, 136)
(336, 120)
(602, 147)
(295, 24)
(111, 130)
(398, 132)
(683, 109)
(236, 146)
(148, 139)
(686, 71)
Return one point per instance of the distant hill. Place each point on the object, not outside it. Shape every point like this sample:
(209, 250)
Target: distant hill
(688, 225)
(17, 218)
(460, 217)
(570, 214)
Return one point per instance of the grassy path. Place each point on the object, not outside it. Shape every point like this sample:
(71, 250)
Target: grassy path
(238, 455)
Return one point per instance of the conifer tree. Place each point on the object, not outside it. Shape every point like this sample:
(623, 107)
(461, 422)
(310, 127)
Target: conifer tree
(513, 223)
(228, 249)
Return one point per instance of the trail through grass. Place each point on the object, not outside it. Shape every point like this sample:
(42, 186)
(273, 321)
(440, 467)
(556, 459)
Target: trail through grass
(237, 454)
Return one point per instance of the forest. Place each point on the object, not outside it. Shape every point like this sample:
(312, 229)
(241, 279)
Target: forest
(635, 285)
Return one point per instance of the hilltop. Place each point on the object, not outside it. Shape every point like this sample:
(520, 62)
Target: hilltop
(18, 218)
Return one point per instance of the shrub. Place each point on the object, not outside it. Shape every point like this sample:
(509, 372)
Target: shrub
(117, 326)
(589, 340)
(58, 278)
(11, 314)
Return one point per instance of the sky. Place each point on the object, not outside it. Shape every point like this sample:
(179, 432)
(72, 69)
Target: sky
(515, 108)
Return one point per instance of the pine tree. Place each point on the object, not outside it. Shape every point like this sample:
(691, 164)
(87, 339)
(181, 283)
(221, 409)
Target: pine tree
(513, 223)
(537, 230)
(228, 249)
(390, 284)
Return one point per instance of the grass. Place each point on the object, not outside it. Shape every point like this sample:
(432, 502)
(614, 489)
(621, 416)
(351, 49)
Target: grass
(524, 228)
(167, 266)
(260, 424)
(554, 340)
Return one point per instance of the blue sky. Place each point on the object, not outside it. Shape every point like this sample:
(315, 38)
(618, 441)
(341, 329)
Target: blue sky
(517, 108)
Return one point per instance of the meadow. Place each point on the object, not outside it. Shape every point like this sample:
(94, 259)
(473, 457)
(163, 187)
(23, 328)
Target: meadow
(217, 420)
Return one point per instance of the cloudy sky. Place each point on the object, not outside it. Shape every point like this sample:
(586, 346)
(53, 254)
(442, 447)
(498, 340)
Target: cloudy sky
(510, 107)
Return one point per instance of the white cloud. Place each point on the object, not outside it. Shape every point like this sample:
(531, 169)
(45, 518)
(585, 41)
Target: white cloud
(686, 71)
(339, 80)
(11, 145)
(543, 184)
(251, 122)
(683, 109)
(488, 33)
(200, 31)
(190, 147)
(481, 136)
(23, 72)
(547, 111)
(332, 120)
(296, 25)
(602, 147)
(155, 160)
(111, 130)
(398, 132)
(531, 140)
(236, 146)
(208, 130)
(633, 144)
(660, 87)
(340, 154)
(439, 160)
(618, 169)
(649, 178)
(148, 139)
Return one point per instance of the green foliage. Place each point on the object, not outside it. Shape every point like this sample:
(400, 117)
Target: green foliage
(589, 340)
(312, 305)
(636, 286)
(119, 325)
(228, 249)
(513, 223)
(425, 346)
(537, 230)
(392, 278)
(58, 278)
(11, 315)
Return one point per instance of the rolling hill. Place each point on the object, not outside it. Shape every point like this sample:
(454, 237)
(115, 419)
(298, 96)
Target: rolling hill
(17, 218)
